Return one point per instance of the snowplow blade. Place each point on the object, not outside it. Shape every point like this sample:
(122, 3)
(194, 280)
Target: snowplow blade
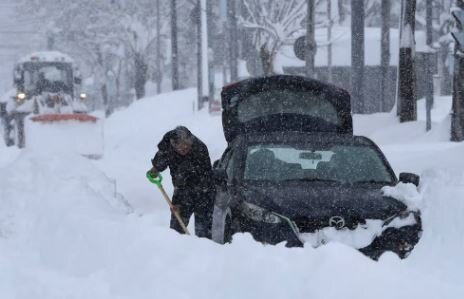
(79, 133)
(50, 118)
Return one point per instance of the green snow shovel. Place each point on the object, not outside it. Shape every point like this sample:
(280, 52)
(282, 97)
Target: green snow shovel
(157, 181)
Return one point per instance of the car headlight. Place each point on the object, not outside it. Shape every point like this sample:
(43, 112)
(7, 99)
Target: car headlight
(404, 218)
(20, 97)
(83, 96)
(259, 214)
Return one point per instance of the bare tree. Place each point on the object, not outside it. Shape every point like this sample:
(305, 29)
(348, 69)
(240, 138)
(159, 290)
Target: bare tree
(272, 23)
(105, 35)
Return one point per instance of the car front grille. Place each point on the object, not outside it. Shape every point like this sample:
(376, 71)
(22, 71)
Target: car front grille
(310, 225)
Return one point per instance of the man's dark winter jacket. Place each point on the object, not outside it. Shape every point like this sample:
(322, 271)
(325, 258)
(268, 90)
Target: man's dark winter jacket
(190, 171)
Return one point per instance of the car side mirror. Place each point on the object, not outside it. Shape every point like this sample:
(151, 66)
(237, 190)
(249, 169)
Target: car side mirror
(406, 177)
(220, 176)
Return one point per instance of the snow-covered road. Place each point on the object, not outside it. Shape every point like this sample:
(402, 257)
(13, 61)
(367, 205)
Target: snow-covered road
(66, 233)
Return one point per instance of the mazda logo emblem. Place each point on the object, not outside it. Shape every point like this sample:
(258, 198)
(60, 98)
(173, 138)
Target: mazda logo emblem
(337, 222)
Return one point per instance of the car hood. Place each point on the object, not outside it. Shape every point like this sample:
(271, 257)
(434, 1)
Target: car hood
(316, 203)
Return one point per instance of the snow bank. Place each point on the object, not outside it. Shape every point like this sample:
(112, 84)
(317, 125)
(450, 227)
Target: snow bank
(40, 183)
(71, 239)
(360, 237)
(7, 154)
(65, 234)
(406, 193)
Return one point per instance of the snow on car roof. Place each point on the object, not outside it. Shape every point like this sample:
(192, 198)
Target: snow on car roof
(47, 56)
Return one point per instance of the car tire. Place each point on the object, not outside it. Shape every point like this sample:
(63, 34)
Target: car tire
(6, 128)
(19, 132)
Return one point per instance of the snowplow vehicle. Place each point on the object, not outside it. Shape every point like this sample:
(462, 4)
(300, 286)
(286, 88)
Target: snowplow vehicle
(47, 91)
(294, 172)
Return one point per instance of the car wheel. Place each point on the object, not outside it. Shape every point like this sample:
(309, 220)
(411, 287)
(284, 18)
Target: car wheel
(3, 131)
(19, 137)
(6, 130)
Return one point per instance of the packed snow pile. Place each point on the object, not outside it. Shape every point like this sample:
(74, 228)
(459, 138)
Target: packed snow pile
(406, 193)
(66, 233)
(360, 237)
(38, 185)
(84, 138)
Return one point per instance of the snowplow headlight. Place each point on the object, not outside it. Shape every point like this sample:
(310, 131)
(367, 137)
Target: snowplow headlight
(83, 96)
(20, 97)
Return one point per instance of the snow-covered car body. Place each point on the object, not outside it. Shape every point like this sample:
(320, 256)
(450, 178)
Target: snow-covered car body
(310, 185)
(47, 82)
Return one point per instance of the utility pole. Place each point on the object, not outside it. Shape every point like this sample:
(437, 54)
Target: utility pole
(199, 55)
(50, 41)
(406, 71)
(158, 48)
(310, 40)
(174, 51)
(357, 55)
(233, 39)
(211, 46)
(384, 52)
(223, 39)
(428, 65)
(202, 53)
(329, 39)
(457, 115)
(204, 49)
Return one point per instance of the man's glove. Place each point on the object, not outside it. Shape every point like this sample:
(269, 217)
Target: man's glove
(175, 209)
(153, 172)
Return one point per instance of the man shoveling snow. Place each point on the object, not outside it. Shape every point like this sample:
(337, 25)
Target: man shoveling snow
(190, 165)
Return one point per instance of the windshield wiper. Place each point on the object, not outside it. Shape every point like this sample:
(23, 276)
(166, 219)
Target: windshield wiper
(371, 182)
(311, 180)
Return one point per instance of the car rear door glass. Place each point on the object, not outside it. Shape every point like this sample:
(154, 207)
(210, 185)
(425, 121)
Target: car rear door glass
(282, 101)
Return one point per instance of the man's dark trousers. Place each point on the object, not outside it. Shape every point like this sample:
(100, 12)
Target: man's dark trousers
(199, 202)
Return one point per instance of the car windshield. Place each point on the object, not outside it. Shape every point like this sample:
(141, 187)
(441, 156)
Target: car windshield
(282, 101)
(52, 77)
(336, 163)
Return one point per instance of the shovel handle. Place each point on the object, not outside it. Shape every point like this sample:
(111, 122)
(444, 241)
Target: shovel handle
(157, 181)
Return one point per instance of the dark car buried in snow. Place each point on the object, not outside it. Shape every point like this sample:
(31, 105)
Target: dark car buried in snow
(294, 172)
